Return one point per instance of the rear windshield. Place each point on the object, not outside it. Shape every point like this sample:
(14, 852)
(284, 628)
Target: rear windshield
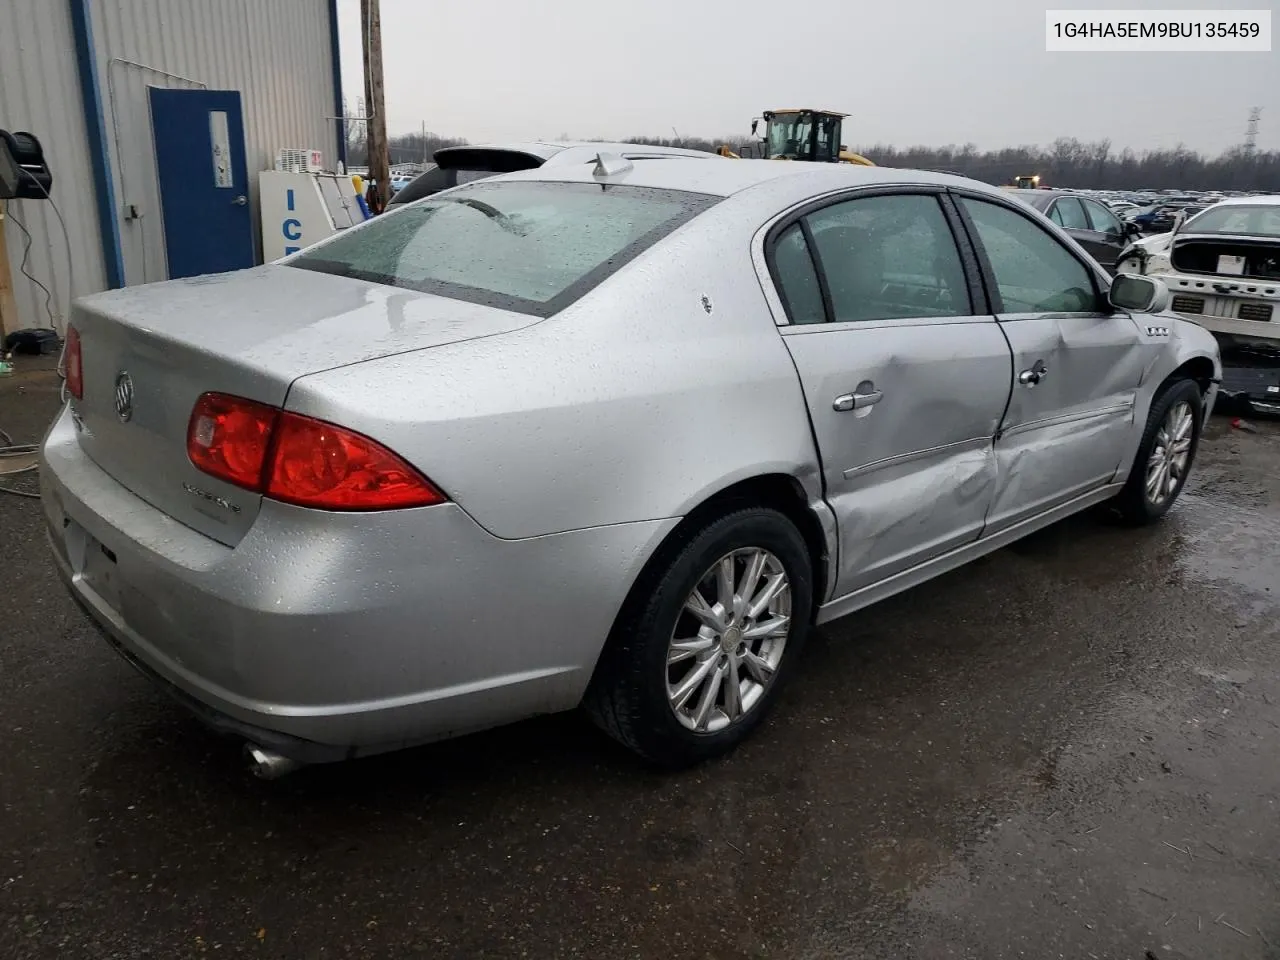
(532, 247)
(1239, 219)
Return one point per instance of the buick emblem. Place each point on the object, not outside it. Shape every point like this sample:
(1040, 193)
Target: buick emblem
(124, 396)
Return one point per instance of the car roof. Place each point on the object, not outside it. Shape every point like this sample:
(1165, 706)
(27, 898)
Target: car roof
(1263, 200)
(548, 149)
(1030, 196)
(727, 177)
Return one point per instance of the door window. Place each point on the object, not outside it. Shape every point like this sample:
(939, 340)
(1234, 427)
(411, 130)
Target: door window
(1034, 272)
(797, 279)
(1068, 213)
(1103, 220)
(886, 257)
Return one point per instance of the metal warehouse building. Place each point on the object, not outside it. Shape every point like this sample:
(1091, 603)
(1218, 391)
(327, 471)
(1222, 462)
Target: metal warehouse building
(155, 117)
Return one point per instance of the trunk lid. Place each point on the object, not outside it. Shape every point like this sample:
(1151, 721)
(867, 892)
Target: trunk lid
(148, 353)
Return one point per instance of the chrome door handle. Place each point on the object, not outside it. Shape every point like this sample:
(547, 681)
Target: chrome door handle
(241, 200)
(856, 401)
(1038, 371)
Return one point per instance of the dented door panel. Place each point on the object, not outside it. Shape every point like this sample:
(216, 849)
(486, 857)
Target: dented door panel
(1068, 430)
(911, 473)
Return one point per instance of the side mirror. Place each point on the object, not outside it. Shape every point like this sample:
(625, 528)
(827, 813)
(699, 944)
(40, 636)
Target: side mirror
(1131, 229)
(1135, 294)
(754, 125)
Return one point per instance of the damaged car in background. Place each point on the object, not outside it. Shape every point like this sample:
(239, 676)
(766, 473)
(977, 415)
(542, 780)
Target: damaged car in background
(1222, 268)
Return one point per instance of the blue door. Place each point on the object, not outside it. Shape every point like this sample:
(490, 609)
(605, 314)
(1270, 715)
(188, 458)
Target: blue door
(204, 184)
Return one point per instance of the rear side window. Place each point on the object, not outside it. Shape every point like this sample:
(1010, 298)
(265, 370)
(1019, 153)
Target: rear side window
(527, 246)
(889, 257)
(797, 278)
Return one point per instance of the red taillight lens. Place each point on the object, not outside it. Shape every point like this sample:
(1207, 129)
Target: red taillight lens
(73, 365)
(317, 464)
(228, 438)
(299, 460)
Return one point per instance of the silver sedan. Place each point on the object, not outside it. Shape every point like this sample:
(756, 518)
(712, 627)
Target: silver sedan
(615, 435)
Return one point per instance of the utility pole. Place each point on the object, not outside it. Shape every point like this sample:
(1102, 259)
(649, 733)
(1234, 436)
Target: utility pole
(375, 101)
(1251, 131)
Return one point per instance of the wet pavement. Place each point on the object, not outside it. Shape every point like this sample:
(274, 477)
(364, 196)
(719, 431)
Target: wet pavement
(1068, 749)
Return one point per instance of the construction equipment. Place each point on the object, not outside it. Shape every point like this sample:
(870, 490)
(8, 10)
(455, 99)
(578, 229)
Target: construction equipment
(1030, 182)
(803, 134)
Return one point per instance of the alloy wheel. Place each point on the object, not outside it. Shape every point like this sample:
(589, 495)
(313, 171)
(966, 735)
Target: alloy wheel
(1170, 453)
(728, 640)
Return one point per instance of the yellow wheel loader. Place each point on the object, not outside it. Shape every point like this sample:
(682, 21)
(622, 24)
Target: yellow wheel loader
(802, 134)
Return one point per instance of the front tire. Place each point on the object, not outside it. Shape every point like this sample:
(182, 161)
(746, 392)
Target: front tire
(1165, 455)
(706, 640)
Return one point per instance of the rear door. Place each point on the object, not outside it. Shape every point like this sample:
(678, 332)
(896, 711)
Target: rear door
(1076, 365)
(905, 374)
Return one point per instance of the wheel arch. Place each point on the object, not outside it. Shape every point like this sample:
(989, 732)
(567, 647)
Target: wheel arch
(786, 494)
(1201, 369)
(781, 491)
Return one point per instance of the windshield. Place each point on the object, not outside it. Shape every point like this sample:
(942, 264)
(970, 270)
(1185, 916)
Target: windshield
(1238, 219)
(527, 246)
(789, 135)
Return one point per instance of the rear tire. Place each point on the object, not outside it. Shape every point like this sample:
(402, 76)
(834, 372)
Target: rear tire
(1165, 455)
(706, 639)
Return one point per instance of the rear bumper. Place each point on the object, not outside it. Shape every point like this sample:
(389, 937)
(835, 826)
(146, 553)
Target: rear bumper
(323, 635)
(1218, 310)
(1253, 329)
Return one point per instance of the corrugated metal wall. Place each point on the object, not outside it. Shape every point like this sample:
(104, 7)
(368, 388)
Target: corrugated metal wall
(40, 93)
(275, 52)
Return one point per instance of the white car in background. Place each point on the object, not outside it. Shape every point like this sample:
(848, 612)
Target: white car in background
(1222, 268)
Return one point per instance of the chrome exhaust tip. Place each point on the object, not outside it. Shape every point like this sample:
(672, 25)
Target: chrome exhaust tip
(266, 765)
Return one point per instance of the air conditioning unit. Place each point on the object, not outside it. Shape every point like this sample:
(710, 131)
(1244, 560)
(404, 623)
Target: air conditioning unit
(294, 160)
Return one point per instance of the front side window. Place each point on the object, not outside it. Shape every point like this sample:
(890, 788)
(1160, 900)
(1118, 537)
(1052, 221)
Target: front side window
(527, 246)
(828, 147)
(1034, 272)
(1068, 213)
(1103, 220)
(889, 257)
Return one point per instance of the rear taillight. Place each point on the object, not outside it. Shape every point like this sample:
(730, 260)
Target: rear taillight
(227, 437)
(73, 365)
(300, 460)
(317, 464)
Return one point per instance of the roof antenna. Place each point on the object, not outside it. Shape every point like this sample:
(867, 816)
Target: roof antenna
(610, 165)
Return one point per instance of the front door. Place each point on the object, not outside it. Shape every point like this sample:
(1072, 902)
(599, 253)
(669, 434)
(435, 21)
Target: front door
(1111, 236)
(905, 385)
(1076, 367)
(203, 179)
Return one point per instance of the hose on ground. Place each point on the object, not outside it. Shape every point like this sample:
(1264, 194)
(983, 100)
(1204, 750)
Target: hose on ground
(10, 449)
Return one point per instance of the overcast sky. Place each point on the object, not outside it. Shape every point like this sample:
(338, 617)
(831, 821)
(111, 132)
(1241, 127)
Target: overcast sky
(928, 72)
